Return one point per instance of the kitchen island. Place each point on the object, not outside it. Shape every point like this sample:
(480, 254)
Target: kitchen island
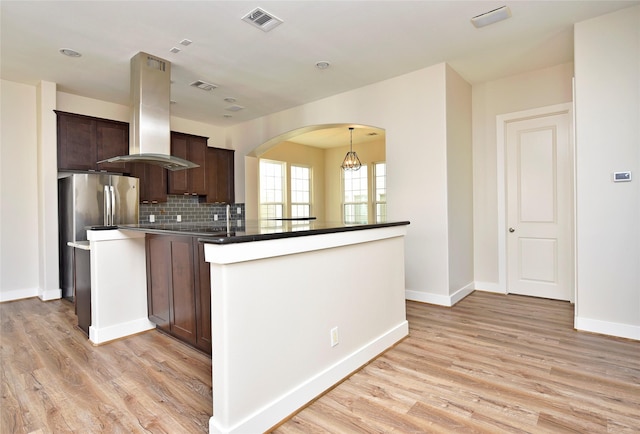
(295, 308)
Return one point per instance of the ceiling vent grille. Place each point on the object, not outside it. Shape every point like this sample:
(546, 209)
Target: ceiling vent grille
(203, 85)
(262, 19)
(235, 108)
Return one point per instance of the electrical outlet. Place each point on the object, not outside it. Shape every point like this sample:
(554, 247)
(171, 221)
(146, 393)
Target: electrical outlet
(178, 218)
(152, 218)
(215, 217)
(334, 336)
(239, 211)
(239, 223)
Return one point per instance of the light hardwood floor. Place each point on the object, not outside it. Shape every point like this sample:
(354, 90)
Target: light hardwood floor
(493, 363)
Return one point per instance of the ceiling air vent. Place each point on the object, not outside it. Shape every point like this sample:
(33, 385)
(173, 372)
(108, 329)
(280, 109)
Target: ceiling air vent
(203, 85)
(262, 19)
(235, 108)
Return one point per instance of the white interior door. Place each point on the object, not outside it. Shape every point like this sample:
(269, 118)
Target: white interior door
(539, 205)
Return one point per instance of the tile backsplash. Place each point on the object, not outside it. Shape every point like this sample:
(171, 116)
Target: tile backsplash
(189, 209)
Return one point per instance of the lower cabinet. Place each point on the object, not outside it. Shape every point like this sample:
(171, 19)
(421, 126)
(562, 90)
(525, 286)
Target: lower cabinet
(178, 288)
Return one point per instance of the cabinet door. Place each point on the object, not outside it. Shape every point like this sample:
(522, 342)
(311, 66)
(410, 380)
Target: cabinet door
(159, 280)
(112, 140)
(203, 299)
(153, 182)
(76, 142)
(220, 175)
(183, 312)
(178, 183)
(197, 153)
(190, 181)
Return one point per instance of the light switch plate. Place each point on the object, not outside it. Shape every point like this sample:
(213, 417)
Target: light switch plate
(622, 176)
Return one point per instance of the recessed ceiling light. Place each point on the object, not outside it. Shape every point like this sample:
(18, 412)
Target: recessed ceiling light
(227, 115)
(502, 13)
(186, 42)
(323, 64)
(175, 50)
(230, 99)
(69, 52)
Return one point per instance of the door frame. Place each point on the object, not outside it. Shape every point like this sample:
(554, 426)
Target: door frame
(501, 121)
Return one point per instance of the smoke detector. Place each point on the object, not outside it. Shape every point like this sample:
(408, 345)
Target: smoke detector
(262, 19)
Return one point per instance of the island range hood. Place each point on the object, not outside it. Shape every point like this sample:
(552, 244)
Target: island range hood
(150, 130)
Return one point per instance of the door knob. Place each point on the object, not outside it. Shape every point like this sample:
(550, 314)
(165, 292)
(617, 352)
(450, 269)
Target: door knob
(512, 230)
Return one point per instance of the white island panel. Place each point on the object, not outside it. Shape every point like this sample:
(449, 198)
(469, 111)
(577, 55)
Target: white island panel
(118, 285)
(274, 304)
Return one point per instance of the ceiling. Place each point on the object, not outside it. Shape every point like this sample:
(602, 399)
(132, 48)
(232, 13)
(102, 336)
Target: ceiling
(266, 72)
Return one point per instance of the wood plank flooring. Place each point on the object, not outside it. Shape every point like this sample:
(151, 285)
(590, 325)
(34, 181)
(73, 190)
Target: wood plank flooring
(491, 364)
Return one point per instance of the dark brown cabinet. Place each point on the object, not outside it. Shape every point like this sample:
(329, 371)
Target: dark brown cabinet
(153, 182)
(191, 181)
(178, 288)
(85, 140)
(220, 176)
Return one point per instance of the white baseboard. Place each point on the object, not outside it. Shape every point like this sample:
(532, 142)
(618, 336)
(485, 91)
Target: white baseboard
(440, 300)
(289, 403)
(50, 294)
(106, 334)
(628, 331)
(18, 294)
(489, 287)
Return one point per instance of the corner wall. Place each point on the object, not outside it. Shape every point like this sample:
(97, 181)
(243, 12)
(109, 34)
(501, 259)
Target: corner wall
(607, 65)
(18, 192)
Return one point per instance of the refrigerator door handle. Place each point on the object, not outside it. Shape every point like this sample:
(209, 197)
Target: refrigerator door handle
(107, 206)
(113, 206)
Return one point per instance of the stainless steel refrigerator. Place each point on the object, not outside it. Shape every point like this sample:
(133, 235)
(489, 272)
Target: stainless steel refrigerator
(91, 200)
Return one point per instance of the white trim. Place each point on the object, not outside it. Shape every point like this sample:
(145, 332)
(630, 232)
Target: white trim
(238, 252)
(607, 328)
(489, 287)
(106, 334)
(18, 294)
(440, 300)
(51, 294)
(501, 120)
(289, 403)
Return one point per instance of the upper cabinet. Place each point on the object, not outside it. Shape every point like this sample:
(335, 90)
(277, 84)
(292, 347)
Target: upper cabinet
(85, 140)
(220, 176)
(190, 181)
(153, 182)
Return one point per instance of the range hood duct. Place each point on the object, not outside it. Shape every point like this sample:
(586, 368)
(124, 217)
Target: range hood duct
(150, 130)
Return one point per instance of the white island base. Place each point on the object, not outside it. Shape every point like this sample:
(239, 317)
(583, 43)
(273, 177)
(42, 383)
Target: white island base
(118, 285)
(278, 308)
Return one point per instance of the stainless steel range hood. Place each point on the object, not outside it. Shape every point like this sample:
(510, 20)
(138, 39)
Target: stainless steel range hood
(150, 130)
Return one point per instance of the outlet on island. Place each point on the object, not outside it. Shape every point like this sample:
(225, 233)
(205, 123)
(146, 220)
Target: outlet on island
(152, 218)
(178, 218)
(215, 217)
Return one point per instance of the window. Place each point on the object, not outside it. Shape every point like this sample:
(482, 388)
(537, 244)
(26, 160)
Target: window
(357, 208)
(284, 198)
(300, 191)
(271, 189)
(380, 188)
(355, 196)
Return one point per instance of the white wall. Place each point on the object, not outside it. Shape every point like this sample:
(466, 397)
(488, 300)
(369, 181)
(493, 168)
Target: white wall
(459, 186)
(533, 89)
(607, 66)
(18, 192)
(412, 110)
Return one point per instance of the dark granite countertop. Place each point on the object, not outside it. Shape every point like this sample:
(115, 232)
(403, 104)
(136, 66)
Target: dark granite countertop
(216, 232)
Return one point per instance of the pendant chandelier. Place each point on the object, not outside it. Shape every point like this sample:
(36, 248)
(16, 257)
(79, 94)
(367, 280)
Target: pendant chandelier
(351, 160)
